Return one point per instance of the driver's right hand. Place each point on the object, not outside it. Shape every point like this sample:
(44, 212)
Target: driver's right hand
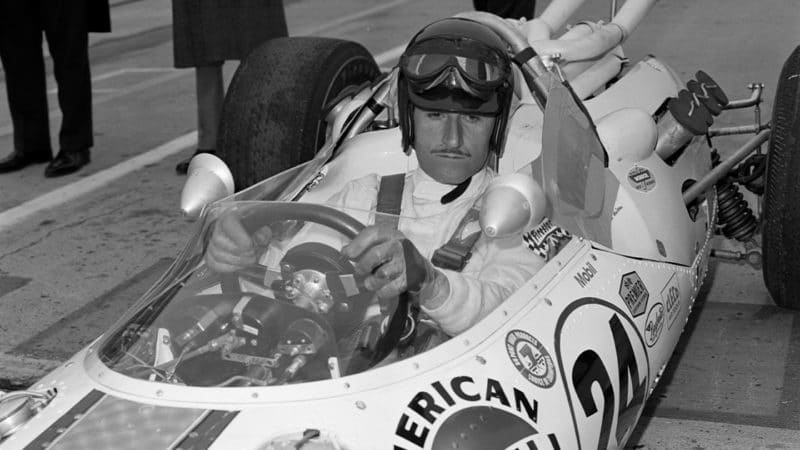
(231, 247)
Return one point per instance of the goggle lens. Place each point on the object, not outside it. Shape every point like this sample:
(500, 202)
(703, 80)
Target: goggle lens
(424, 66)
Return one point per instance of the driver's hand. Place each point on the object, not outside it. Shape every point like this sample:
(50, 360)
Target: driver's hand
(231, 247)
(389, 262)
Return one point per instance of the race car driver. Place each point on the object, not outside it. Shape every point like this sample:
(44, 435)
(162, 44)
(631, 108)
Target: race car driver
(454, 94)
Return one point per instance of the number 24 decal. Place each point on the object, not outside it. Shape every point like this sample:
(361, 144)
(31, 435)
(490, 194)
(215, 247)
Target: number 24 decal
(589, 369)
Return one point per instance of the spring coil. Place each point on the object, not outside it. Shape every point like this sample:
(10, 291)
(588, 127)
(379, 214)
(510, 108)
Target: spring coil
(735, 216)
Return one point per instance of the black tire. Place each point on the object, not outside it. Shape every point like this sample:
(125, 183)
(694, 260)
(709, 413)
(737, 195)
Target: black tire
(274, 110)
(781, 218)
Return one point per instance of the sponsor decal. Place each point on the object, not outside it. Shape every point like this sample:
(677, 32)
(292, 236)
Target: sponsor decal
(546, 239)
(531, 358)
(585, 274)
(634, 293)
(654, 324)
(671, 296)
(448, 405)
(641, 179)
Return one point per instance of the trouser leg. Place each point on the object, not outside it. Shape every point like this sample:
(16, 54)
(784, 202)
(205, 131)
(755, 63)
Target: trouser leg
(23, 64)
(68, 40)
(210, 94)
(515, 9)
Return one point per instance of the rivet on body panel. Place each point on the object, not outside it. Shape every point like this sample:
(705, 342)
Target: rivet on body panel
(361, 405)
(254, 395)
(547, 300)
(159, 393)
(480, 359)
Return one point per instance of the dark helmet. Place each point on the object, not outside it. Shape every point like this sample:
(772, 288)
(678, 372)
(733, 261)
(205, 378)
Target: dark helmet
(456, 65)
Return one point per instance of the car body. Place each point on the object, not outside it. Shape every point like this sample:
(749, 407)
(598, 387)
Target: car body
(567, 361)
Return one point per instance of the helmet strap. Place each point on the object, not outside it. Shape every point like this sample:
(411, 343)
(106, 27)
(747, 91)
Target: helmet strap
(456, 192)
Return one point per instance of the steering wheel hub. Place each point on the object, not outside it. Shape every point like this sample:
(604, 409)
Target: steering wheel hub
(309, 289)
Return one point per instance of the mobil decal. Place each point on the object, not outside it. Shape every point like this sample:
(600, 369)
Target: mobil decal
(671, 296)
(603, 361)
(634, 293)
(481, 408)
(530, 358)
(654, 324)
(585, 274)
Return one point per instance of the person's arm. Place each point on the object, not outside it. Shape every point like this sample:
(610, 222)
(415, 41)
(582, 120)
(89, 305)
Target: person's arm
(232, 248)
(458, 300)
(391, 264)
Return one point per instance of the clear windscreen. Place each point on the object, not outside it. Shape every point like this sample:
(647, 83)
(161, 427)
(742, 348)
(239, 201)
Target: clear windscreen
(297, 313)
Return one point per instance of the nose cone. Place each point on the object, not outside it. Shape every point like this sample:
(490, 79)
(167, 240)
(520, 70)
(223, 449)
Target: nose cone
(209, 180)
(512, 204)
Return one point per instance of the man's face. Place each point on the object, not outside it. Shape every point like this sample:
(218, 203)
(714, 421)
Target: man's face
(451, 147)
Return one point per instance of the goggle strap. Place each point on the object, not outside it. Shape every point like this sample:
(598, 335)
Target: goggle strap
(524, 56)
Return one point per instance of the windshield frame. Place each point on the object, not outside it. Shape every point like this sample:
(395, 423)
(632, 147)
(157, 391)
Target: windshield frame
(479, 333)
(451, 353)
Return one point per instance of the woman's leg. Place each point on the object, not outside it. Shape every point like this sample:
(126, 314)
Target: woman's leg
(210, 91)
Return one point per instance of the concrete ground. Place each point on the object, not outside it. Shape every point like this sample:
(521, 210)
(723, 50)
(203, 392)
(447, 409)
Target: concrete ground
(76, 251)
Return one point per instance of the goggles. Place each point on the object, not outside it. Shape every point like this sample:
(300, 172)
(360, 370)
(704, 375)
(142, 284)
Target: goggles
(477, 66)
(459, 75)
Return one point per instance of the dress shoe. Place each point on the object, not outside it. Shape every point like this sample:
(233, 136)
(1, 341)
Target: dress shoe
(17, 160)
(67, 162)
(182, 167)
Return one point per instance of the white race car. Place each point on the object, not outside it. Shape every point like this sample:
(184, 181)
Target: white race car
(291, 355)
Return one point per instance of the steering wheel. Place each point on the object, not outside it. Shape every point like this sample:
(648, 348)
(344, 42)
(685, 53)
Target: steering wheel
(348, 226)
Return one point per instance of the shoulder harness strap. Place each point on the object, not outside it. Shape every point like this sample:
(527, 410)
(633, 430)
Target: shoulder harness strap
(455, 254)
(390, 199)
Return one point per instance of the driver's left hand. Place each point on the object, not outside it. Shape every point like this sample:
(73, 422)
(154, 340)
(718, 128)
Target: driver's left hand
(389, 262)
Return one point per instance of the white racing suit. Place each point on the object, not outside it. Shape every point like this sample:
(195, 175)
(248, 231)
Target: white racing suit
(497, 268)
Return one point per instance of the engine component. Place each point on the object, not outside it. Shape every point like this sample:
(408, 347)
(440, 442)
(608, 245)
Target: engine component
(736, 219)
(683, 119)
(303, 337)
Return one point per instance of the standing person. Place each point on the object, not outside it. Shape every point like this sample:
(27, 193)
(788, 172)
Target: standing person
(513, 9)
(66, 24)
(206, 33)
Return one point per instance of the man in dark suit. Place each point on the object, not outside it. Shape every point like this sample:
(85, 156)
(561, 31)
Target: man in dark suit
(66, 24)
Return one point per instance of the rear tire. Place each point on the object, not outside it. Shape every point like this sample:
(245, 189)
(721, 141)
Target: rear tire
(273, 116)
(781, 218)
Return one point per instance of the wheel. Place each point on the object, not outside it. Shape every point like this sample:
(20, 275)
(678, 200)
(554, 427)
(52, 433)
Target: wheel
(273, 116)
(781, 218)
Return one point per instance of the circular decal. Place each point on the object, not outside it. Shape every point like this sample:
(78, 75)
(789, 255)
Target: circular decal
(641, 179)
(654, 324)
(531, 358)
